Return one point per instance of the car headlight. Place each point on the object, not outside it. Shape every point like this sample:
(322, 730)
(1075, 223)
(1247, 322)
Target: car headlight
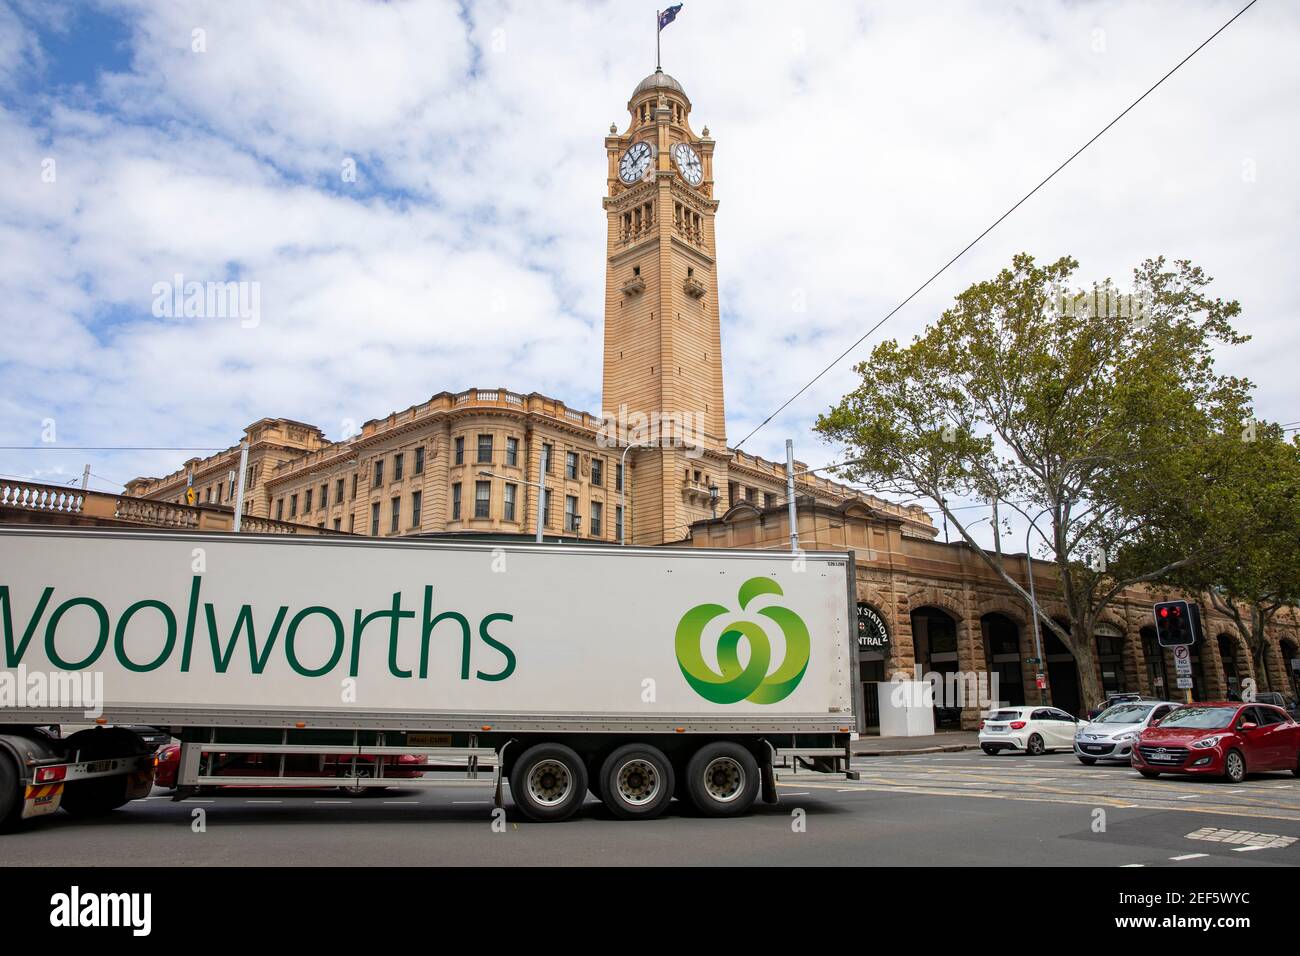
(1123, 737)
(1205, 743)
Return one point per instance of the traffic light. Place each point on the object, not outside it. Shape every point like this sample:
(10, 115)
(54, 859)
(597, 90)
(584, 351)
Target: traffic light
(1174, 624)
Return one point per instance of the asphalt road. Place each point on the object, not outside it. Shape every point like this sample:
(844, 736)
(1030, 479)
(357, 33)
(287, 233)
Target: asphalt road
(962, 809)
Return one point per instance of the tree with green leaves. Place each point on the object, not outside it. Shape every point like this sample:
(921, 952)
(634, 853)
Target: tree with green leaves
(1093, 415)
(1255, 512)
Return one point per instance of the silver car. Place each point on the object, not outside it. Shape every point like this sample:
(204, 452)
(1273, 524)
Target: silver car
(1113, 733)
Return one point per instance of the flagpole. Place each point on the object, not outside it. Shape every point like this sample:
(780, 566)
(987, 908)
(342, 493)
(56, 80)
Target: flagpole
(658, 64)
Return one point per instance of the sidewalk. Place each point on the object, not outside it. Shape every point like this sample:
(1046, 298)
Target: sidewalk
(949, 742)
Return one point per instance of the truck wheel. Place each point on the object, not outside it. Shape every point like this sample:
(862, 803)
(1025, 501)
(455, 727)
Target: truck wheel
(722, 779)
(11, 796)
(548, 783)
(637, 782)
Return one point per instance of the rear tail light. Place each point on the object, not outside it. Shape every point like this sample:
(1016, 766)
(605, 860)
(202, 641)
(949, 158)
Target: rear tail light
(1017, 725)
(51, 774)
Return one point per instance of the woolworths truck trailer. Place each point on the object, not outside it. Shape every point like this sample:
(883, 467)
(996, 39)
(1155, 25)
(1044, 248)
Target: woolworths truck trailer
(634, 674)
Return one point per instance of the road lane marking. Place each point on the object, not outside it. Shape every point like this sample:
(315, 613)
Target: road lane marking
(1065, 797)
(264, 801)
(331, 801)
(405, 803)
(1189, 856)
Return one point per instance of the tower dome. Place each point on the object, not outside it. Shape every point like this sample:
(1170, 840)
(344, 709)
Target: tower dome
(658, 80)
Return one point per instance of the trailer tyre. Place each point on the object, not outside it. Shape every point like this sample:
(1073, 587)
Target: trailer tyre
(637, 782)
(722, 779)
(548, 783)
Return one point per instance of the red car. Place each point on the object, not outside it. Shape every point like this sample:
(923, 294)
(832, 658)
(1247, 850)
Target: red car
(1225, 739)
(167, 763)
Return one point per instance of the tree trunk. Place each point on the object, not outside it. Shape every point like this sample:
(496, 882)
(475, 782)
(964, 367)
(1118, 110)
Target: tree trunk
(1259, 649)
(1260, 660)
(1083, 647)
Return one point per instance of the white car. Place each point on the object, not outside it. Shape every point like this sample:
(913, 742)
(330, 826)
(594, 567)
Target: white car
(1035, 730)
(1113, 733)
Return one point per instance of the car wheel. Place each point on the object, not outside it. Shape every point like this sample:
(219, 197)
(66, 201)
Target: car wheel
(1234, 767)
(362, 773)
(548, 783)
(637, 782)
(1295, 767)
(990, 750)
(1035, 747)
(1087, 761)
(1150, 774)
(722, 779)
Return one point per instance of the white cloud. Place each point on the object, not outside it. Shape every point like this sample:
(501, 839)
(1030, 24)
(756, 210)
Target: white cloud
(859, 147)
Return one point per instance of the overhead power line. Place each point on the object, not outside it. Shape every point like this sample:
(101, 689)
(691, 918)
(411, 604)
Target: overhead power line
(970, 245)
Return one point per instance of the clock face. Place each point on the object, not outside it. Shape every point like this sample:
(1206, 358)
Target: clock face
(635, 162)
(688, 163)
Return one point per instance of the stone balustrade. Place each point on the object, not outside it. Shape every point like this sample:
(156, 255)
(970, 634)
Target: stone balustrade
(30, 502)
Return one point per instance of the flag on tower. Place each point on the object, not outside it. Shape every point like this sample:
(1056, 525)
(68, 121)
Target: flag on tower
(668, 16)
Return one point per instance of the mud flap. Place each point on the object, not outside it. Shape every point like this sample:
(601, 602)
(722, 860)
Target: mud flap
(769, 783)
(42, 799)
(139, 784)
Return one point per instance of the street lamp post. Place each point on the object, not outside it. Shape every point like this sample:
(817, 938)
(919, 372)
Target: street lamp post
(540, 485)
(622, 491)
(1033, 600)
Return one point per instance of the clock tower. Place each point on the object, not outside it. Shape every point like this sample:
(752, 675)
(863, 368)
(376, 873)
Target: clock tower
(663, 345)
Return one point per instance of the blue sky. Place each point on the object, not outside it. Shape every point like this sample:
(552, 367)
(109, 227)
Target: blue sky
(860, 145)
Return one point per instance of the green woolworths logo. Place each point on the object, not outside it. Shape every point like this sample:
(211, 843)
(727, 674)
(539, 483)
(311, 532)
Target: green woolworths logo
(737, 682)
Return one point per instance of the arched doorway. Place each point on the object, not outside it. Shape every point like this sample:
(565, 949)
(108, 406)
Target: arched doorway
(1062, 672)
(1110, 658)
(1162, 685)
(934, 644)
(873, 657)
(1228, 658)
(1002, 652)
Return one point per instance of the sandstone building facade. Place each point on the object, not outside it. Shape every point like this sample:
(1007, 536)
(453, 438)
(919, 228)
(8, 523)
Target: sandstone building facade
(468, 462)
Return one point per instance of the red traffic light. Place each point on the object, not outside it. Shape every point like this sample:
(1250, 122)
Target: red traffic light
(1164, 612)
